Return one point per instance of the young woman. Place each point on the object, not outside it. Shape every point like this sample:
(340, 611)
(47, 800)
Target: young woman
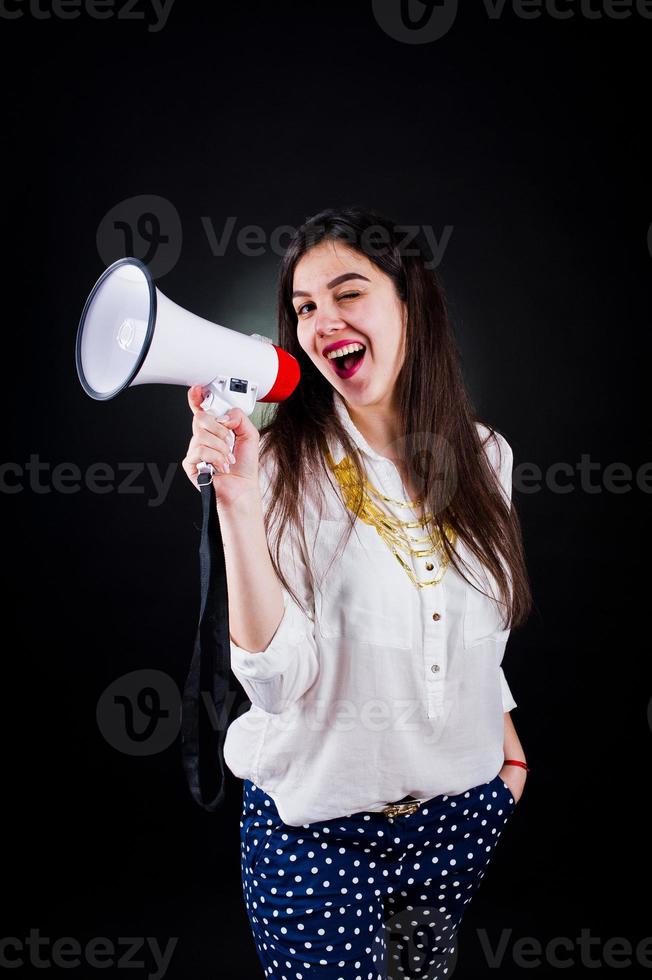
(375, 569)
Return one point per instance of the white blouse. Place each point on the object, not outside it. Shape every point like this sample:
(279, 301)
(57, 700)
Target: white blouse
(370, 697)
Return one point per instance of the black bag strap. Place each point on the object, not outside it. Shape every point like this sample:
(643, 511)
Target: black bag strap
(211, 659)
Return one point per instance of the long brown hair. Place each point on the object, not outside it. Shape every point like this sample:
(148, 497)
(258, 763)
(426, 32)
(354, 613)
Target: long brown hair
(459, 486)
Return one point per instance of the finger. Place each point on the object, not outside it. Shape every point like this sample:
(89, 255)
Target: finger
(224, 426)
(206, 438)
(195, 398)
(192, 470)
(203, 423)
(198, 450)
(205, 454)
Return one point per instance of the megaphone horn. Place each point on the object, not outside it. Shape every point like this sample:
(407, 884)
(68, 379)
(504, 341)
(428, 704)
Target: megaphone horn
(130, 334)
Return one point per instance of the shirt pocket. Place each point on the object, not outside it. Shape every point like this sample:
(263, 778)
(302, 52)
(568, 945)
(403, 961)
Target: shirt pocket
(483, 619)
(483, 615)
(362, 595)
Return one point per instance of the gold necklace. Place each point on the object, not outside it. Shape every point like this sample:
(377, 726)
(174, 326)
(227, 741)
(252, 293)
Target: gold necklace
(392, 531)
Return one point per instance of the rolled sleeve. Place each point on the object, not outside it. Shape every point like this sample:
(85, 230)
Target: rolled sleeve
(505, 469)
(277, 676)
(281, 650)
(508, 700)
(501, 457)
(505, 466)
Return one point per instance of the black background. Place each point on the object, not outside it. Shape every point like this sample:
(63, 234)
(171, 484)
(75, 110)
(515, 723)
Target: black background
(527, 138)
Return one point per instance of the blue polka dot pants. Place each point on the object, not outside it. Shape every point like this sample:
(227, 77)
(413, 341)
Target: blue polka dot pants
(367, 896)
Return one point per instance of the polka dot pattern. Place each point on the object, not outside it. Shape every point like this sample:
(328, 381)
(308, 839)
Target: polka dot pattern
(366, 897)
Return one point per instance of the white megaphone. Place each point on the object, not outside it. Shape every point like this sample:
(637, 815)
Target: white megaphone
(132, 334)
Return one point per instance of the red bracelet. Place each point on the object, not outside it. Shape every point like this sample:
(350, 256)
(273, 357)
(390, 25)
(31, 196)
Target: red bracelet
(516, 762)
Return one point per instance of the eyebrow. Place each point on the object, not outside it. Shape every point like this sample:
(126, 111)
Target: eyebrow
(334, 282)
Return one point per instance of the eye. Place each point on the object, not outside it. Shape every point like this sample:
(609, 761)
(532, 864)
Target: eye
(342, 296)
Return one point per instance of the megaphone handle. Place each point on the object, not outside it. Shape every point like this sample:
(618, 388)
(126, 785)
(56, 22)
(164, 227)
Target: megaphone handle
(215, 406)
(206, 471)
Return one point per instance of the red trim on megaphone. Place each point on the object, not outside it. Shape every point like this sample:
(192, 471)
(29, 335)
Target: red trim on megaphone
(287, 378)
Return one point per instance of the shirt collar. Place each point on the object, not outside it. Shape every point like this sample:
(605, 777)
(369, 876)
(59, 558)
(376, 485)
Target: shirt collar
(352, 430)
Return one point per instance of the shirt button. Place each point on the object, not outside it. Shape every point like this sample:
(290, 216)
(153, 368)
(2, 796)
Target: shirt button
(435, 668)
(436, 616)
(429, 566)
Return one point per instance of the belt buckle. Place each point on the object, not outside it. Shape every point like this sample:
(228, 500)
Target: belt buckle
(396, 809)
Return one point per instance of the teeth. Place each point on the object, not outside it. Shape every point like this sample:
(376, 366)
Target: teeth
(349, 349)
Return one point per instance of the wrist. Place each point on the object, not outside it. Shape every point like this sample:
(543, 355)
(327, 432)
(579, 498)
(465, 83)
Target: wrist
(518, 763)
(248, 504)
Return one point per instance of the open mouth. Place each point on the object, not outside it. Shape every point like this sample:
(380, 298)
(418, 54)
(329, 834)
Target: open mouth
(347, 365)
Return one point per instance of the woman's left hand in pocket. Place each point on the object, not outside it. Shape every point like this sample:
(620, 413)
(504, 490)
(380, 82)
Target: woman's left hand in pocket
(515, 778)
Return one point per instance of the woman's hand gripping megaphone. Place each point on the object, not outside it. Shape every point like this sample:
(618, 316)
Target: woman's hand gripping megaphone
(236, 472)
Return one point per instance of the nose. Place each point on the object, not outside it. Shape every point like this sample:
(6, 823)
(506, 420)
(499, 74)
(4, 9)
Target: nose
(327, 321)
